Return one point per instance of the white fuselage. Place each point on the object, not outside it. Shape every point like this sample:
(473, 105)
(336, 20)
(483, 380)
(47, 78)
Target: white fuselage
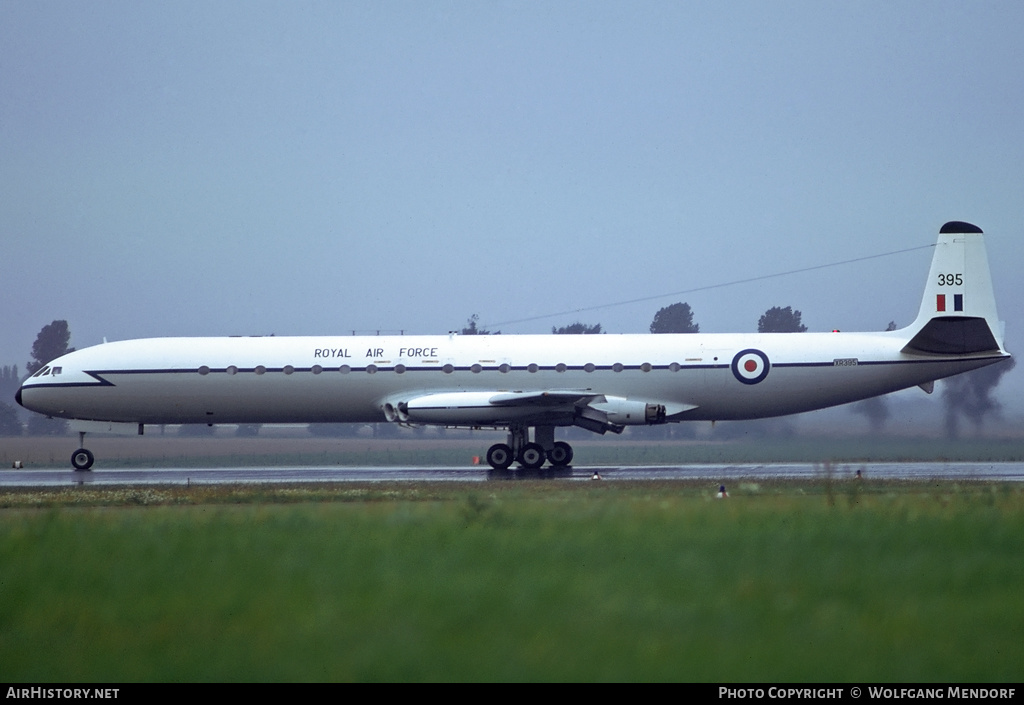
(355, 379)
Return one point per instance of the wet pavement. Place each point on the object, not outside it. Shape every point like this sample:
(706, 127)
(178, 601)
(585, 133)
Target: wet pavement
(1007, 472)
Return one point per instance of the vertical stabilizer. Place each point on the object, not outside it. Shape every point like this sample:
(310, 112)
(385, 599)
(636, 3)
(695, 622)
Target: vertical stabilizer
(958, 312)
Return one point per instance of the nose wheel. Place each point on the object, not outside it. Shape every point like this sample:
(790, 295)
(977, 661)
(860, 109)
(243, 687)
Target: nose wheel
(82, 459)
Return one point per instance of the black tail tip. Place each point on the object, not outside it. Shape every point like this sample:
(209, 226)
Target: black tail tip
(958, 227)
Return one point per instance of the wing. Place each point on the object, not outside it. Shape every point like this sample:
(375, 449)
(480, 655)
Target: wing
(556, 407)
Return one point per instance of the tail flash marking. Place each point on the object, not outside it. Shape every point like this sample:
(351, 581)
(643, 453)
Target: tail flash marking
(940, 302)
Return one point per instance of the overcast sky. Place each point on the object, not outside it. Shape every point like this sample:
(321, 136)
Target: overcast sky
(307, 168)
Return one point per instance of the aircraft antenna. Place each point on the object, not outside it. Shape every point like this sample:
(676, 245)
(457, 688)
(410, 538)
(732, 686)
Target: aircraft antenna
(706, 287)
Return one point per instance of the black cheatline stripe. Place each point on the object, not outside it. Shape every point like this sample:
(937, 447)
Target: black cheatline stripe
(100, 382)
(98, 375)
(887, 362)
(488, 368)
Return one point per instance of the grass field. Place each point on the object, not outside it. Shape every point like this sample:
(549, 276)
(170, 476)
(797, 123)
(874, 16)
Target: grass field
(822, 580)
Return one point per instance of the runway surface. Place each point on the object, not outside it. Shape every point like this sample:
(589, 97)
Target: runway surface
(1007, 472)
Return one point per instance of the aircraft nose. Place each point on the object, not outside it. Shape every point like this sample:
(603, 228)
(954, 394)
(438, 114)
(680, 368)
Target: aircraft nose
(17, 397)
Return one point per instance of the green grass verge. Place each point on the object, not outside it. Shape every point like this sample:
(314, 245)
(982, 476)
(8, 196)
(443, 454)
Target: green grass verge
(784, 581)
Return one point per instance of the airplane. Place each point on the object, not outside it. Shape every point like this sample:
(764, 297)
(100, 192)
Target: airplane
(530, 385)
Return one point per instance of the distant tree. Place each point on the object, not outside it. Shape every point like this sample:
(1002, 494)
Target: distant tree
(675, 318)
(472, 327)
(51, 343)
(970, 395)
(577, 329)
(780, 320)
(10, 425)
(876, 410)
(39, 425)
(9, 382)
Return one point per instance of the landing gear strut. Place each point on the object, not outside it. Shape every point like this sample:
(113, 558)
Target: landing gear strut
(529, 454)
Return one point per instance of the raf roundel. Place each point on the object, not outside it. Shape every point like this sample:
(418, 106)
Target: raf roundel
(750, 366)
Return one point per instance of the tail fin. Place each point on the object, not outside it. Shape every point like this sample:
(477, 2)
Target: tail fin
(958, 311)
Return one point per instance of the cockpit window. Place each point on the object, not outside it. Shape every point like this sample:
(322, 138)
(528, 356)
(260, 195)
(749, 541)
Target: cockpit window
(43, 372)
(56, 371)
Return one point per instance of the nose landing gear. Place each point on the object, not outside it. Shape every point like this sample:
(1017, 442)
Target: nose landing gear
(82, 459)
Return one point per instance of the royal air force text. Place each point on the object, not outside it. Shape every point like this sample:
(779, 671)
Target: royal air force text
(375, 352)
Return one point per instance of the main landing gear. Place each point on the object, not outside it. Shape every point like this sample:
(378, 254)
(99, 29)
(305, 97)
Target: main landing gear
(82, 459)
(530, 454)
